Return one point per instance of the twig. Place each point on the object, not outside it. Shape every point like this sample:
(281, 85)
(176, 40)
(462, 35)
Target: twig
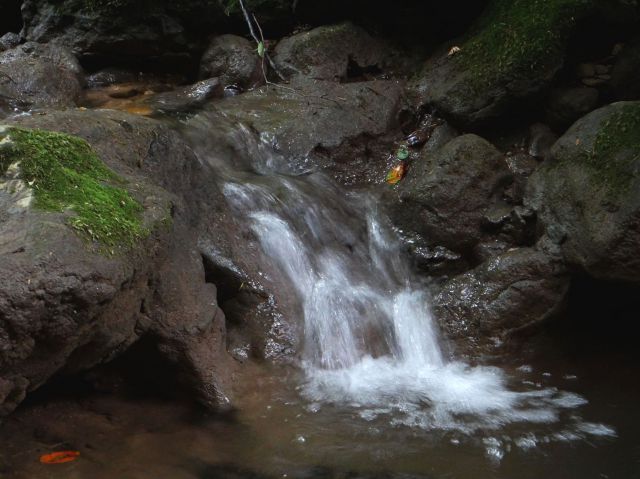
(258, 40)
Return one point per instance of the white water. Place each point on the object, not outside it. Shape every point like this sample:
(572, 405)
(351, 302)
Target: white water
(371, 343)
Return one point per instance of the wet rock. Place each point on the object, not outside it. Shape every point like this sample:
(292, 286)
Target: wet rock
(566, 105)
(485, 78)
(541, 139)
(517, 289)
(309, 120)
(9, 41)
(442, 134)
(522, 167)
(587, 195)
(66, 307)
(233, 60)
(332, 52)
(446, 194)
(40, 75)
(626, 71)
(110, 76)
(188, 98)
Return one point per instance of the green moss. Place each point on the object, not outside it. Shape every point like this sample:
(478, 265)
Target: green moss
(516, 38)
(616, 148)
(67, 175)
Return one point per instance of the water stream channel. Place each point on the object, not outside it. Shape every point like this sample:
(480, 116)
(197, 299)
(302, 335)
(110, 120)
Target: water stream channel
(376, 392)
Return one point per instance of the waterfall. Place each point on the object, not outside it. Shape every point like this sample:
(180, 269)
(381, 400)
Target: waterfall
(370, 341)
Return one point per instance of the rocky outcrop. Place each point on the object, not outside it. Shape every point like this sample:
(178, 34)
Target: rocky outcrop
(39, 76)
(514, 290)
(67, 304)
(446, 194)
(474, 80)
(307, 120)
(232, 59)
(332, 52)
(587, 194)
(160, 33)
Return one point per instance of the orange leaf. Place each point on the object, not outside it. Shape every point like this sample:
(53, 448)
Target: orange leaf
(59, 457)
(396, 173)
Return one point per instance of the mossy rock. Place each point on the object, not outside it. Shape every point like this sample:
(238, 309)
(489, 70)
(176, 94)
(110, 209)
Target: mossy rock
(511, 53)
(588, 195)
(67, 176)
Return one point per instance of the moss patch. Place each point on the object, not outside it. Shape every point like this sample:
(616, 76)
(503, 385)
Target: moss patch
(616, 148)
(67, 175)
(515, 38)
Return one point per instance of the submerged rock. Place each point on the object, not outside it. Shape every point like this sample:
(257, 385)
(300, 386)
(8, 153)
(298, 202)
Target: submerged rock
(232, 59)
(587, 195)
(40, 75)
(332, 52)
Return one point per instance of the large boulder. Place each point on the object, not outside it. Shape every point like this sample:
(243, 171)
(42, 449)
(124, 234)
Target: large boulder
(331, 52)
(514, 290)
(88, 278)
(40, 75)
(308, 120)
(588, 194)
(232, 59)
(478, 78)
(160, 33)
(446, 194)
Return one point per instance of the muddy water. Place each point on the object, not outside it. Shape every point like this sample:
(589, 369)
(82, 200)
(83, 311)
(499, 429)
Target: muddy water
(277, 433)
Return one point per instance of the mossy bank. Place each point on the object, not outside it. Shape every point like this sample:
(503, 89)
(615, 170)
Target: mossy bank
(67, 176)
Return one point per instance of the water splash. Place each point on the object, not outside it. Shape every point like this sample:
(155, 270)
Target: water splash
(371, 343)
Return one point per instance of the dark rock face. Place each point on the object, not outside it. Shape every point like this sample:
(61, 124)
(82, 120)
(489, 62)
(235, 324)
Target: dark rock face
(626, 71)
(516, 289)
(66, 308)
(328, 53)
(40, 75)
(587, 196)
(446, 195)
(566, 105)
(307, 120)
(232, 59)
(160, 33)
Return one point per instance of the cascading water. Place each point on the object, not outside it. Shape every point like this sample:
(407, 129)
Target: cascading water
(371, 343)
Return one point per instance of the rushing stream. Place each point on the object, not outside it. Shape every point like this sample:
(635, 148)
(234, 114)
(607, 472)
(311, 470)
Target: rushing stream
(370, 342)
(376, 393)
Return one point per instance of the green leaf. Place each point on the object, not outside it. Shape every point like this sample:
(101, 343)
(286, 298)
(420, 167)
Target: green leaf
(402, 153)
(261, 49)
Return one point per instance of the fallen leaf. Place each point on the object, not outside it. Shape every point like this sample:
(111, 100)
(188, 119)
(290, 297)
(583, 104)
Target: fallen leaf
(59, 457)
(396, 173)
(453, 51)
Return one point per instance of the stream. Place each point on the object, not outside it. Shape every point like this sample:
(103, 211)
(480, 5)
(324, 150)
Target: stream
(376, 392)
